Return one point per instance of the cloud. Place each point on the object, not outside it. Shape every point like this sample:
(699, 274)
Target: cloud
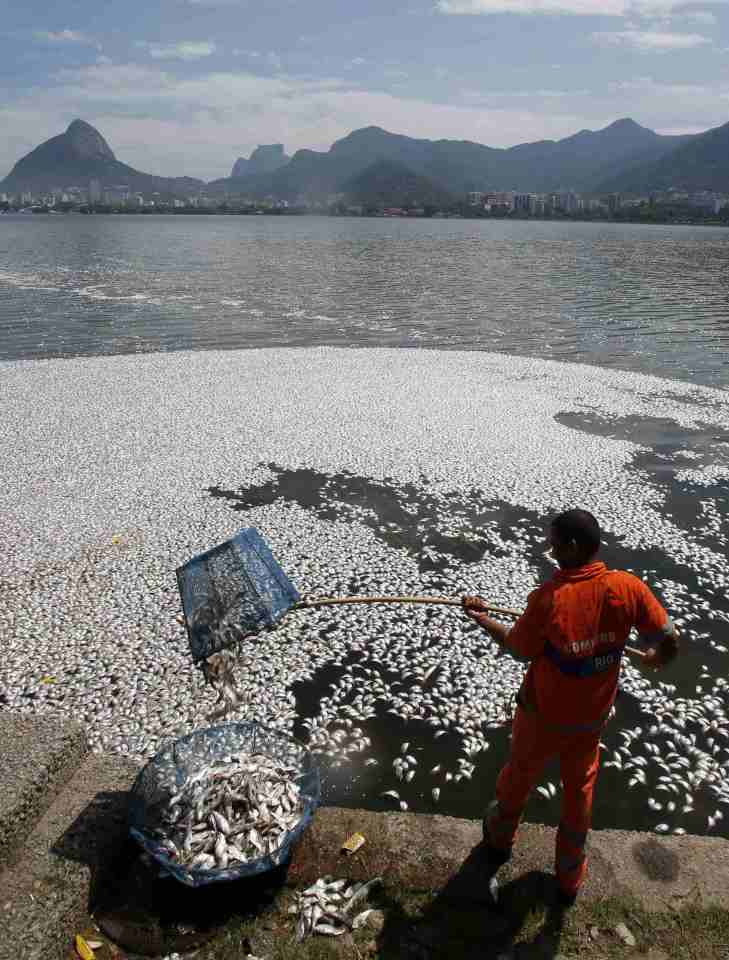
(577, 7)
(185, 50)
(649, 41)
(647, 86)
(703, 17)
(679, 131)
(595, 8)
(489, 96)
(65, 36)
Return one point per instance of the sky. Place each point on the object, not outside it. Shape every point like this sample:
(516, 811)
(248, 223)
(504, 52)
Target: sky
(184, 87)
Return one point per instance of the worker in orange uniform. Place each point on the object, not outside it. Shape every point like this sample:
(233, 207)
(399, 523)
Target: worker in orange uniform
(574, 630)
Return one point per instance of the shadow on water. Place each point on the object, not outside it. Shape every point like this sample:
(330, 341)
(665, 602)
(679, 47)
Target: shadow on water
(671, 448)
(403, 516)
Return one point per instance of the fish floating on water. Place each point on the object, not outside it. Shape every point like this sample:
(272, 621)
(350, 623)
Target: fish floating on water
(232, 812)
(324, 907)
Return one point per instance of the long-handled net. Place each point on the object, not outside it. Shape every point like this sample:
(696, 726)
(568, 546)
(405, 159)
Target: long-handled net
(237, 589)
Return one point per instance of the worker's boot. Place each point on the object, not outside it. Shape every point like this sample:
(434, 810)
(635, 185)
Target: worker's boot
(565, 900)
(495, 856)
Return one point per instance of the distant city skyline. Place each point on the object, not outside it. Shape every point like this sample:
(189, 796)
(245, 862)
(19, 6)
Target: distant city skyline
(190, 85)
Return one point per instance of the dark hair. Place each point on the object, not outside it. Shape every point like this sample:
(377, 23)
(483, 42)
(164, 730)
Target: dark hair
(580, 526)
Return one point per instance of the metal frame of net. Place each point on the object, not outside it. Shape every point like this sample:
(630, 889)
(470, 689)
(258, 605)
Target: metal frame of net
(231, 591)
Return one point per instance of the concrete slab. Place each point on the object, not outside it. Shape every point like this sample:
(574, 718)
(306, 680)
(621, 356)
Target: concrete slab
(37, 757)
(47, 895)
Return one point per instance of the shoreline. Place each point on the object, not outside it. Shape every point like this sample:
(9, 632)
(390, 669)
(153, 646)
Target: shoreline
(669, 222)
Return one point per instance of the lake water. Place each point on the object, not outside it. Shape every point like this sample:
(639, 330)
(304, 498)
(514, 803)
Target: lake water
(649, 299)
(653, 299)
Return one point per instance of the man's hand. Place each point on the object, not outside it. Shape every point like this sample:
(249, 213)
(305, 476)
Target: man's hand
(474, 607)
(477, 610)
(657, 657)
(650, 659)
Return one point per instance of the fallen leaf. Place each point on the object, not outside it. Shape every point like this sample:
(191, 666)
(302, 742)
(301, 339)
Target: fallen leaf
(83, 949)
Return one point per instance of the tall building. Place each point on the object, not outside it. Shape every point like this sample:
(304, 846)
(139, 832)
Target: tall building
(568, 202)
(614, 202)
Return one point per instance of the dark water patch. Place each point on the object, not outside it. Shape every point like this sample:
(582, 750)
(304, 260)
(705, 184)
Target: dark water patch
(661, 434)
(671, 448)
(403, 516)
(616, 805)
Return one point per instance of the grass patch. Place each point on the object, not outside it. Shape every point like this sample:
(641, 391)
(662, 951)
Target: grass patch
(422, 926)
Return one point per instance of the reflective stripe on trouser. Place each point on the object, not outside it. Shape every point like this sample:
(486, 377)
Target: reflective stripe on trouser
(532, 744)
(501, 826)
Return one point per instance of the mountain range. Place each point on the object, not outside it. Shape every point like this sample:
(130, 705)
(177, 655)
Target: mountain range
(372, 163)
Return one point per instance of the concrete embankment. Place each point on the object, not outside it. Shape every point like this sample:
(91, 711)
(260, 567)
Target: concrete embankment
(63, 842)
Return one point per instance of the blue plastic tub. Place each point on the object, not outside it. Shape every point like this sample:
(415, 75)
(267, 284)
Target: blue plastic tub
(168, 771)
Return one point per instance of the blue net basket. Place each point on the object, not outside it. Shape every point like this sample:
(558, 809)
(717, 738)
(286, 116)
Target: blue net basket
(167, 773)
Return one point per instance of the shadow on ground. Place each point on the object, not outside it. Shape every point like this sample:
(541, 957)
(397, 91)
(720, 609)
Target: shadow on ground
(141, 911)
(463, 920)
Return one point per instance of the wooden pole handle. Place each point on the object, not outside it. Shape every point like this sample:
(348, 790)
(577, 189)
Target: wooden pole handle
(449, 601)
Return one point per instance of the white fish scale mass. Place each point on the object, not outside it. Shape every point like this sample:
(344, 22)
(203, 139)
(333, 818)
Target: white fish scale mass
(128, 447)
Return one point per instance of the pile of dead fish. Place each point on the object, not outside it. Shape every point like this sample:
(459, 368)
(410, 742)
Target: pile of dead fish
(325, 907)
(234, 812)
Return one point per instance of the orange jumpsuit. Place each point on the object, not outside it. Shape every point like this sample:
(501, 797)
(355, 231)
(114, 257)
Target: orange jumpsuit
(574, 629)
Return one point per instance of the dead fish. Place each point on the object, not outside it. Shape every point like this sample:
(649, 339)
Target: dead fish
(362, 892)
(361, 919)
(329, 930)
(236, 810)
(324, 907)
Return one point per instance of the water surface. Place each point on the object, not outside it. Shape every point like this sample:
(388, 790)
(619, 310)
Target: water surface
(647, 298)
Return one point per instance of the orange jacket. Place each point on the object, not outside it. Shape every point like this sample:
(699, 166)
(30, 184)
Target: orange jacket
(573, 630)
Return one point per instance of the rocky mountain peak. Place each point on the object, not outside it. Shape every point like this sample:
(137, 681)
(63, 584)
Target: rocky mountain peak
(86, 141)
(266, 158)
